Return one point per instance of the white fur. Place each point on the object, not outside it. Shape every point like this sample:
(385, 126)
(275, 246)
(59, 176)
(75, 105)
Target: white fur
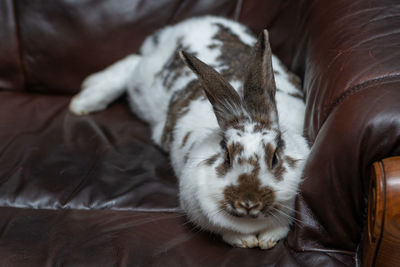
(200, 189)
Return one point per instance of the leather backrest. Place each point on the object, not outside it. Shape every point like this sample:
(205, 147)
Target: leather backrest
(53, 45)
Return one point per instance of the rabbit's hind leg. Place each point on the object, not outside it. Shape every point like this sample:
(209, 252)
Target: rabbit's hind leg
(102, 88)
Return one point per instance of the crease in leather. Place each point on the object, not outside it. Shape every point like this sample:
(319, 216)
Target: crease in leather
(172, 244)
(355, 89)
(4, 228)
(101, 133)
(39, 129)
(80, 186)
(82, 208)
(19, 45)
(384, 17)
(176, 9)
(238, 10)
(334, 256)
(364, 10)
(372, 38)
(339, 251)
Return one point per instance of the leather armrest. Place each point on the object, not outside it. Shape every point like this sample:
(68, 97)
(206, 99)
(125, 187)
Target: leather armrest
(351, 81)
(382, 233)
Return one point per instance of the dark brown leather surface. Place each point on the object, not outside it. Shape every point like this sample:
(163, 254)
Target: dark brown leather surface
(94, 190)
(332, 201)
(11, 71)
(86, 36)
(128, 238)
(353, 114)
(51, 159)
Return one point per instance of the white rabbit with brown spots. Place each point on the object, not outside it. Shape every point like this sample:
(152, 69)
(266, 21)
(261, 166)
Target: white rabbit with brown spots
(232, 123)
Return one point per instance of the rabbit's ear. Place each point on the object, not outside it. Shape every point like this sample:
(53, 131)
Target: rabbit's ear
(259, 83)
(224, 99)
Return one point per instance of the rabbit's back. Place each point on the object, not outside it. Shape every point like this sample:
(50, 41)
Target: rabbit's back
(162, 76)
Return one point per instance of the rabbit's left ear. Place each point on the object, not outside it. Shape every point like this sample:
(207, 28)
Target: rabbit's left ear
(259, 84)
(224, 99)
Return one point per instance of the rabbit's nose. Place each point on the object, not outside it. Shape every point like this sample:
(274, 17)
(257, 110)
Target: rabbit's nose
(252, 207)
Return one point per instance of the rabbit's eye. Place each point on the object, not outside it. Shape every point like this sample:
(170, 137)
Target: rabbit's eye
(275, 160)
(227, 159)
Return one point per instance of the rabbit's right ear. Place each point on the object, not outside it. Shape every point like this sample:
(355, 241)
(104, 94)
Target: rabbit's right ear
(259, 83)
(222, 96)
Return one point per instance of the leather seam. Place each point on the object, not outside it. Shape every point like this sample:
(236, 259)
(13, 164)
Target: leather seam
(353, 90)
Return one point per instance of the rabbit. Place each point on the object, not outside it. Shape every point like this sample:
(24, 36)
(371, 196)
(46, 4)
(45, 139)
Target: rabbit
(229, 114)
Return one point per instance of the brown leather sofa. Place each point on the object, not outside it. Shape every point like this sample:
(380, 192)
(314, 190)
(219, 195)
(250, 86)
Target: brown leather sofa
(95, 191)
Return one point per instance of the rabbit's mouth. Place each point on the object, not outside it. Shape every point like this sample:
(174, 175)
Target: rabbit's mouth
(254, 211)
(243, 210)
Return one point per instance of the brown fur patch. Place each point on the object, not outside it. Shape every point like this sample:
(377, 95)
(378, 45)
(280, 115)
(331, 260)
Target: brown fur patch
(294, 80)
(291, 161)
(174, 68)
(278, 139)
(234, 53)
(235, 149)
(263, 121)
(186, 157)
(213, 46)
(179, 107)
(211, 160)
(185, 139)
(297, 95)
(238, 127)
(253, 161)
(279, 171)
(236, 123)
(259, 127)
(268, 154)
(221, 169)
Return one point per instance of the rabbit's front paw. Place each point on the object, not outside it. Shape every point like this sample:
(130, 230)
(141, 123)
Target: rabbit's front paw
(240, 240)
(269, 238)
(97, 92)
(82, 104)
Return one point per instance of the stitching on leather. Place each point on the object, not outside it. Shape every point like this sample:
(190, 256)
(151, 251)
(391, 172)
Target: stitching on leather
(19, 44)
(353, 90)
